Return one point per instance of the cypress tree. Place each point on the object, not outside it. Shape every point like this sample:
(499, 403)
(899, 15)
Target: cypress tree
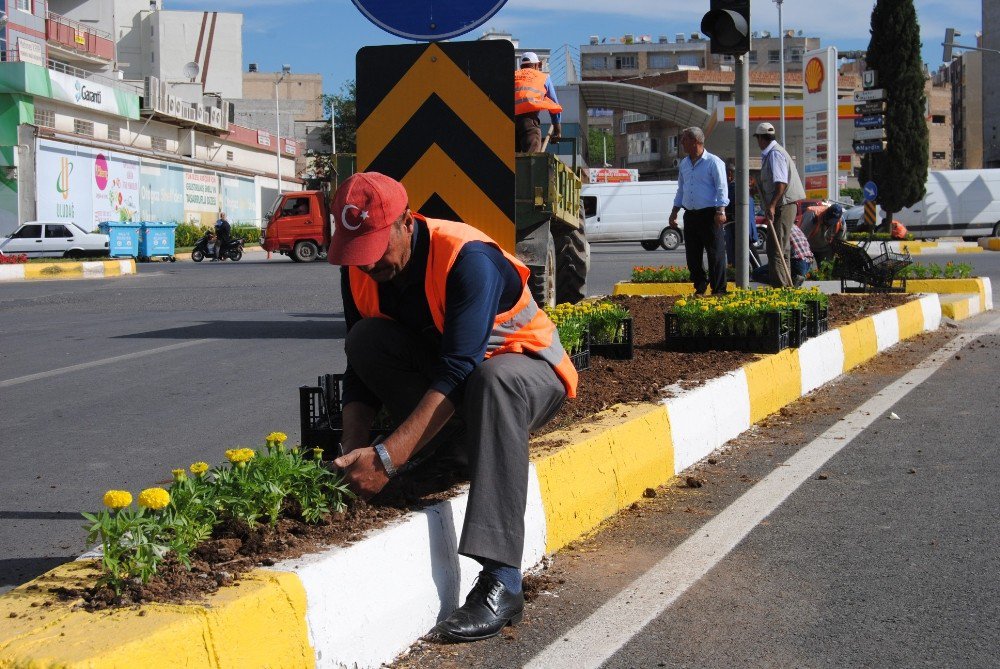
(894, 53)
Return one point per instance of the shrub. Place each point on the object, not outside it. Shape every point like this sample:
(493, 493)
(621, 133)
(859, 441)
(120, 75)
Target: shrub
(662, 274)
(13, 258)
(949, 270)
(249, 233)
(188, 235)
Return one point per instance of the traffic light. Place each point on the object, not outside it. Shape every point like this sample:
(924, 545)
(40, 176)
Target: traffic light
(949, 42)
(727, 25)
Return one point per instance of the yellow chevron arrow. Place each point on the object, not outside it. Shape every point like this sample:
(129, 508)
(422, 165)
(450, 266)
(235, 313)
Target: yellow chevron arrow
(435, 73)
(435, 172)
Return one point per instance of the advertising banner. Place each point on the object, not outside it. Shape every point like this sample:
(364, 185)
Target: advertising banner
(612, 175)
(115, 187)
(90, 94)
(201, 198)
(239, 200)
(161, 191)
(819, 123)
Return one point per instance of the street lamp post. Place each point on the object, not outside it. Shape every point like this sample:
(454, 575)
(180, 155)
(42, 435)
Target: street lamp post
(285, 70)
(781, 70)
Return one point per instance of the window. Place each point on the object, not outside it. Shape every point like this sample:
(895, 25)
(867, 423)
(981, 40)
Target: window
(24, 5)
(938, 155)
(114, 134)
(773, 56)
(589, 206)
(83, 127)
(595, 63)
(229, 155)
(753, 57)
(45, 118)
(625, 62)
(57, 231)
(298, 206)
(795, 55)
(158, 143)
(659, 61)
(937, 119)
(692, 59)
(28, 232)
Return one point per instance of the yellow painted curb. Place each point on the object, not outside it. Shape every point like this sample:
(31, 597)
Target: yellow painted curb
(960, 307)
(657, 289)
(969, 249)
(34, 272)
(860, 342)
(773, 381)
(911, 319)
(990, 243)
(915, 247)
(607, 465)
(259, 622)
(948, 286)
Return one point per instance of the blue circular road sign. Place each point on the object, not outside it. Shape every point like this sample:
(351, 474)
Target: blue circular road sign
(428, 20)
(870, 191)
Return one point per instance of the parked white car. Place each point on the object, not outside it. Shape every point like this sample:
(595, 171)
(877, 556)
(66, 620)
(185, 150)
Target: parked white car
(39, 239)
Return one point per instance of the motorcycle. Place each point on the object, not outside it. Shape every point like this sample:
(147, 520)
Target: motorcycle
(205, 248)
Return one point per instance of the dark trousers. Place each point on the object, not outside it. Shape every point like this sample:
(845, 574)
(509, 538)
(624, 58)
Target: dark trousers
(702, 235)
(527, 133)
(505, 398)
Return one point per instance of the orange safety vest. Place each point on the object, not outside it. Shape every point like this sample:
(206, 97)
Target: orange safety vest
(819, 213)
(897, 230)
(523, 329)
(529, 92)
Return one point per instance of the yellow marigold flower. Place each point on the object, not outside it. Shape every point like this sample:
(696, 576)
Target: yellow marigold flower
(117, 499)
(719, 308)
(681, 303)
(704, 308)
(239, 455)
(179, 474)
(199, 468)
(277, 437)
(154, 498)
(318, 453)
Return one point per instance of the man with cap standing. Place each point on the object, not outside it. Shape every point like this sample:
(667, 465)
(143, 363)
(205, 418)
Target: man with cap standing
(442, 329)
(780, 189)
(533, 92)
(821, 224)
(701, 193)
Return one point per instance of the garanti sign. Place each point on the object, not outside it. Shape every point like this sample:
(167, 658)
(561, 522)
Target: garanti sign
(90, 94)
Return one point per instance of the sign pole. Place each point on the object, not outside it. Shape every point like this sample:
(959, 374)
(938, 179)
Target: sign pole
(742, 222)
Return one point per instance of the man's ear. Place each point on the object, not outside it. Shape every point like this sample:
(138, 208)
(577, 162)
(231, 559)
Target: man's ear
(408, 221)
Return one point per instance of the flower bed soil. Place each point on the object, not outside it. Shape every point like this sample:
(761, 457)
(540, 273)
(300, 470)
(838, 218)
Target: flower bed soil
(652, 375)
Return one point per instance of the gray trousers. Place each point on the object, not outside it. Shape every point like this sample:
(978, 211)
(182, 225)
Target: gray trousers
(505, 398)
(784, 219)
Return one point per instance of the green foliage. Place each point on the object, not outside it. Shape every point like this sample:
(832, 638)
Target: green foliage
(662, 274)
(134, 543)
(596, 144)
(877, 236)
(949, 270)
(853, 193)
(822, 273)
(894, 52)
(188, 235)
(601, 318)
(741, 311)
(249, 233)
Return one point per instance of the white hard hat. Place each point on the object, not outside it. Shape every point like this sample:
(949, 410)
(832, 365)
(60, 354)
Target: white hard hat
(764, 129)
(529, 57)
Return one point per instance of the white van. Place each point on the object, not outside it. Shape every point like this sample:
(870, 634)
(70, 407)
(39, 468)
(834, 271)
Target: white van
(636, 211)
(962, 203)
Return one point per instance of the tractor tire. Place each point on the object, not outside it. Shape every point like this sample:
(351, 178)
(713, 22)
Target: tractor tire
(542, 282)
(572, 265)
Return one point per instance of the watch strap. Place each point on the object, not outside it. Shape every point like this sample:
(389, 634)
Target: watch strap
(383, 455)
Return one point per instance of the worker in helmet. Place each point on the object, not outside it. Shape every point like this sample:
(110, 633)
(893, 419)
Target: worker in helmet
(533, 93)
(821, 223)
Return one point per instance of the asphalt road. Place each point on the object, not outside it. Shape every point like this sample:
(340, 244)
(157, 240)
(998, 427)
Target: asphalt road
(112, 383)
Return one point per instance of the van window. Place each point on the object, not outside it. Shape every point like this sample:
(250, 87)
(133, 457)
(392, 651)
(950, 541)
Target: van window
(28, 232)
(589, 206)
(297, 206)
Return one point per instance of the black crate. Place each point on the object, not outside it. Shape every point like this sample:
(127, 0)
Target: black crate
(321, 417)
(817, 321)
(581, 359)
(623, 350)
(798, 328)
(777, 336)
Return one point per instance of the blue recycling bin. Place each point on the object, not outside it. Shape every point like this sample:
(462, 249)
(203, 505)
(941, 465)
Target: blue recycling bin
(157, 240)
(123, 238)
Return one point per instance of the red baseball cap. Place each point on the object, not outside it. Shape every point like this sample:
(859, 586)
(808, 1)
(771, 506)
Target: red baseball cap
(364, 209)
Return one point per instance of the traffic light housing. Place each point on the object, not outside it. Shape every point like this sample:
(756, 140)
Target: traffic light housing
(727, 25)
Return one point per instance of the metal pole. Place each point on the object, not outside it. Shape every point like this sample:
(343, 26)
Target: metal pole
(277, 128)
(604, 135)
(781, 70)
(742, 223)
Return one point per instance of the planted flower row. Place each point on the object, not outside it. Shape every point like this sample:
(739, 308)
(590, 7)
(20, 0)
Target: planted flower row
(742, 312)
(602, 319)
(252, 487)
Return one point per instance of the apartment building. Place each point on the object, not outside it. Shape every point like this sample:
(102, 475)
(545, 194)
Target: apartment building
(965, 73)
(991, 92)
(88, 136)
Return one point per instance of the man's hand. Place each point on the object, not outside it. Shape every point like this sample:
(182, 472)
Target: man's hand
(556, 131)
(672, 222)
(720, 218)
(364, 471)
(769, 214)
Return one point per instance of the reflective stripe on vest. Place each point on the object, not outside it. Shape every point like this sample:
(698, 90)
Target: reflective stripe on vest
(523, 329)
(529, 92)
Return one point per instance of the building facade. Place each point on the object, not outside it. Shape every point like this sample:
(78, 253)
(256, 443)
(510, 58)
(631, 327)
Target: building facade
(966, 76)
(940, 131)
(991, 91)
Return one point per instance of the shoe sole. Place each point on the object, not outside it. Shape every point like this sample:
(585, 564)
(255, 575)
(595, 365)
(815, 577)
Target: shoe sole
(457, 637)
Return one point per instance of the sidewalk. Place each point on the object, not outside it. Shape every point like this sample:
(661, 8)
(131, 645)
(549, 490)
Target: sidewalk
(361, 605)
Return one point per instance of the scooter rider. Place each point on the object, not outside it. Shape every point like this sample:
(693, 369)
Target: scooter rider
(222, 233)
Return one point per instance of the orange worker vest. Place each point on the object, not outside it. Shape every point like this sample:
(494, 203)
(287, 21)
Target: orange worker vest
(819, 214)
(529, 92)
(523, 329)
(897, 230)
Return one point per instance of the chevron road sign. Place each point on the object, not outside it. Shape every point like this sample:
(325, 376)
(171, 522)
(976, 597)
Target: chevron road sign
(440, 118)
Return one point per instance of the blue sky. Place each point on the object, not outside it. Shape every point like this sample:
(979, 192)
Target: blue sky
(322, 36)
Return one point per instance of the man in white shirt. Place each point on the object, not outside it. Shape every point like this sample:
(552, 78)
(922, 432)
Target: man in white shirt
(781, 189)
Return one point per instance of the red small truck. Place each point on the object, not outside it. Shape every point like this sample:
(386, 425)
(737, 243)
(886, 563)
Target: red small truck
(298, 225)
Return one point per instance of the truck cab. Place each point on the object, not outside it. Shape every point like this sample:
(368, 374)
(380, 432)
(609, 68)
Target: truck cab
(298, 226)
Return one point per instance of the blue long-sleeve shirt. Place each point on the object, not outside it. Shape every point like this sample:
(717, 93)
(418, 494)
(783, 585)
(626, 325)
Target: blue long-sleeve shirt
(550, 93)
(702, 184)
(480, 285)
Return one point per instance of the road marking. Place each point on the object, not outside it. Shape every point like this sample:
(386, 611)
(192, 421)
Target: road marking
(607, 630)
(97, 363)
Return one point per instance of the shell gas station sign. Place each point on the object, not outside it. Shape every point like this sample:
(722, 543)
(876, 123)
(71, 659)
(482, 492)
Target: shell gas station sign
(819, 124)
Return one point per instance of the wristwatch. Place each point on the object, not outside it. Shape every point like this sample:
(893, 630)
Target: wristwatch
(383, 455)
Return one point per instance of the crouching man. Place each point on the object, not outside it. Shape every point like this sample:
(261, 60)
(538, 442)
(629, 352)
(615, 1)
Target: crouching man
(440, 323)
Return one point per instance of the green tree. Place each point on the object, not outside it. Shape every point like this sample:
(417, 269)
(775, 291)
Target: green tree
(342, 109)
(596, 144)
(894, 53)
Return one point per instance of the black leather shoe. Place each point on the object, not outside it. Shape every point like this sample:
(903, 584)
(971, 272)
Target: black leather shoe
(489, 608)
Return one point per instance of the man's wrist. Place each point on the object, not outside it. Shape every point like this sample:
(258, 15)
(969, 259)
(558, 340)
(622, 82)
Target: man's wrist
(383, 455)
